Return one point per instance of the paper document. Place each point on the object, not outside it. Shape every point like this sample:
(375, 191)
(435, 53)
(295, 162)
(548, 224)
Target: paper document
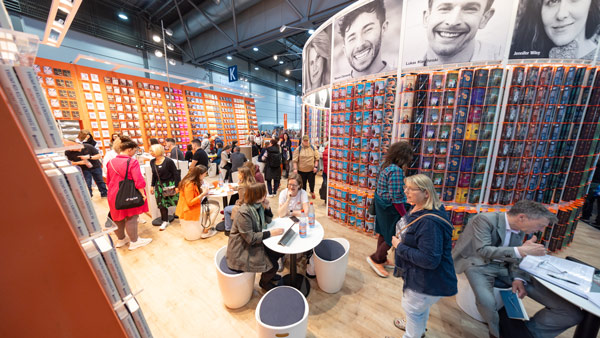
(569, 275)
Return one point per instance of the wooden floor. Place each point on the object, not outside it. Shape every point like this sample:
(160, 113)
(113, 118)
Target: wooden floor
(181, 298)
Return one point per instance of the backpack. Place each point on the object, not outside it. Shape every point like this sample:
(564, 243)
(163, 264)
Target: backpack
(274, 158)
(128, 196)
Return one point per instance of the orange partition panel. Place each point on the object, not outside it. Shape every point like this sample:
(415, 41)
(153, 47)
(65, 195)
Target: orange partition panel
(47, 285)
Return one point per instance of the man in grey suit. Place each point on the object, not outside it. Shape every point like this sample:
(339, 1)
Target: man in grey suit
(491, 247)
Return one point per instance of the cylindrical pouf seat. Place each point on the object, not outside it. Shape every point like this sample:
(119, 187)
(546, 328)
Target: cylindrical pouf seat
(192, 230)
(236, 288)
(331, 260)
(282, 312)
(465, 298)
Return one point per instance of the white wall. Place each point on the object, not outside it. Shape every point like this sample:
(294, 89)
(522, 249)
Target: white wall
(268, 109)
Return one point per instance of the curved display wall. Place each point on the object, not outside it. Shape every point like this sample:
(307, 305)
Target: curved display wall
(498, 98)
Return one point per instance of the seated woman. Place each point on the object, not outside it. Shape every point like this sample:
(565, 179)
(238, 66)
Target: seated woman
(293, 199)
(255, 170)
(245, 179)
(245, 250)
(195, 211)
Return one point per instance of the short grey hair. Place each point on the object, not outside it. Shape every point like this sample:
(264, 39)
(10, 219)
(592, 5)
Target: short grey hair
(533, 210)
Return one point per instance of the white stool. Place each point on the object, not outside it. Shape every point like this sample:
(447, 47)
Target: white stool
(331, 261)
(236, 288)
(465, 298)
(282, 312)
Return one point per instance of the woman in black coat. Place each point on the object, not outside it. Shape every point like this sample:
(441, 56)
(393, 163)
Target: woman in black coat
(272, 159)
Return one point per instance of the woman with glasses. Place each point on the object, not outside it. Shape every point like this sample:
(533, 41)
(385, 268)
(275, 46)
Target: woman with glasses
(423, 244)
(389, 202)
(293, 199)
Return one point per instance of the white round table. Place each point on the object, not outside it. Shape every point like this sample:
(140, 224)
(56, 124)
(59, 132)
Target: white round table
(591, 320)
(224, 192)
(297, 245)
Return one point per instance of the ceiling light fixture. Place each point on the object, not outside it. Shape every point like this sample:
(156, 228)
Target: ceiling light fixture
(284, 27)
(255, 49)
(286, 80)
(280, 62)
(158, 53)
(275, 57)
(256, 68)
(156, 38)
(170, 46)
(169, 32)
(229, 57)
(123, 16)
(311, 31)
(287, 72)
(172, 62)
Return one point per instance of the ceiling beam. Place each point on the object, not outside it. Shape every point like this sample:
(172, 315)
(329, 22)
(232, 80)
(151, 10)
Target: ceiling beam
(235, 27)
(212, 22)
(187, 34)
(165, 13)
(298, 13)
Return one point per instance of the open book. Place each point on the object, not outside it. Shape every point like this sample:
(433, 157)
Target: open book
(569, 275)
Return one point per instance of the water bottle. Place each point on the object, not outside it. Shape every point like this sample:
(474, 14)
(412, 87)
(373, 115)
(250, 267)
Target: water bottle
(311, 215)
(220, 182)
(302, 224)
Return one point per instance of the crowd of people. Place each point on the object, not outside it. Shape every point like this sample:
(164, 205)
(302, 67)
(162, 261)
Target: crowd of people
(409, 217)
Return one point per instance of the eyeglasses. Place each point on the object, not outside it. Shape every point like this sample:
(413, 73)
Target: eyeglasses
(411, 189)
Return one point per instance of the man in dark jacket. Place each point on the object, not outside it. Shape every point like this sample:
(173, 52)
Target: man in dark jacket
(237, 159)
(88, 159)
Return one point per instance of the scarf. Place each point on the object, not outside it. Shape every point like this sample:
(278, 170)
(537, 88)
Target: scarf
(258, 213)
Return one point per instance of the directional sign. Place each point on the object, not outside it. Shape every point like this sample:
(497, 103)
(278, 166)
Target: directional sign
(233, 74)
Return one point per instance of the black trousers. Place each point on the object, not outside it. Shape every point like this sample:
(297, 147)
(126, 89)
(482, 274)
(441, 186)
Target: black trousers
(310, 177)
(273, 256)
(588, 207)
(227, 168)
(272, 186)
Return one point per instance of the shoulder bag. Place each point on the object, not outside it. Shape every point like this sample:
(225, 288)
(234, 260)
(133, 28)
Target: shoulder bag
(128, 196)
(166, 191)
(399, 229)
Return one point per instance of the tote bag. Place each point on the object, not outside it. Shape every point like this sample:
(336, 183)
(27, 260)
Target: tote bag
(128, 196)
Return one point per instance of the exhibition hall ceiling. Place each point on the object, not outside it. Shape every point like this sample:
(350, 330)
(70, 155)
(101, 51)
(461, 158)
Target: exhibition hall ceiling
(204, 30)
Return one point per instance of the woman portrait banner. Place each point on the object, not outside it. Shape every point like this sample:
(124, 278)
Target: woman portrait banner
(556, 29)
(316, 66)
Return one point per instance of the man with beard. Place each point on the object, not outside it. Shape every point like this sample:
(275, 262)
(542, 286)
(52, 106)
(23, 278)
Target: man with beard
(451, 27)
(362, 31)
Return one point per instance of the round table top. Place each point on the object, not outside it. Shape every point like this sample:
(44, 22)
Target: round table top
(572, 298)
(314, 236)
(226, 190)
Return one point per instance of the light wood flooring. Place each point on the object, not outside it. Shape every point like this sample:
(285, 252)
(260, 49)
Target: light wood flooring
(181, 297)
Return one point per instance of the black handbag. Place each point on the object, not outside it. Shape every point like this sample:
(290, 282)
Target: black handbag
(128, 196)
(166, 191)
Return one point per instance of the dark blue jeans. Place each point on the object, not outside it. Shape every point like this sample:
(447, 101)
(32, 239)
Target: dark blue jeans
(96, 174)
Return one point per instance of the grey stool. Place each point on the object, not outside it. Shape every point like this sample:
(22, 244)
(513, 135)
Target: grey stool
(282, 312)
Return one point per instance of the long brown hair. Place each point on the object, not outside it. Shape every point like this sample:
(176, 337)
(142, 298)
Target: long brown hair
(254, 192)
(193, 177)
(400, 154)
(248, 176)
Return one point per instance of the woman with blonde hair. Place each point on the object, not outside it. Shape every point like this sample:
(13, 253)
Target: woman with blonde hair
(165, 180)
(423, 244)
(245, 179)
(196, 213)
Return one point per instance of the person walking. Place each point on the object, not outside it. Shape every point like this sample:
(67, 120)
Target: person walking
(389, 203)
(423, 244)
(306, 164)
(124, 165)
(286, 151)
(165, 180)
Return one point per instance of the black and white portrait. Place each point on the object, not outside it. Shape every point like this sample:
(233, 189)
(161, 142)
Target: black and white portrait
(367, 40)
(319, 98)
(558, 29)
(317, 60)
(450, 31)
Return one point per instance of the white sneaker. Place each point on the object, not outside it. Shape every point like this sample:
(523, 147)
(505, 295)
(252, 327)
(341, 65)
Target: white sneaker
(122, 242)
(163, 226)
(211, 232)
(139, 243)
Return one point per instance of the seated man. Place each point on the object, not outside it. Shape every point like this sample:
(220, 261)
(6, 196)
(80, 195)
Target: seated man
(491, 247)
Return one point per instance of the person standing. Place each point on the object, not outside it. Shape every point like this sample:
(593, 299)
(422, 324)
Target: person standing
(200, 156)
(389, 203)
(174, 152)
(245, 249)
(323, 190)
(226, 162)
(306, 163)
(165, 178)
(110, 154)
(126, 219)
(88, 160)
(273, 167)
(85, 136)
(423, 246)
(491, 247)
(286, 151)
(189, 154)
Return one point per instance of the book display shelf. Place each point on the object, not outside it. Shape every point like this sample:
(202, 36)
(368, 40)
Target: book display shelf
(315, 123)
(362, 115)
(106, 102)
(68, 268)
